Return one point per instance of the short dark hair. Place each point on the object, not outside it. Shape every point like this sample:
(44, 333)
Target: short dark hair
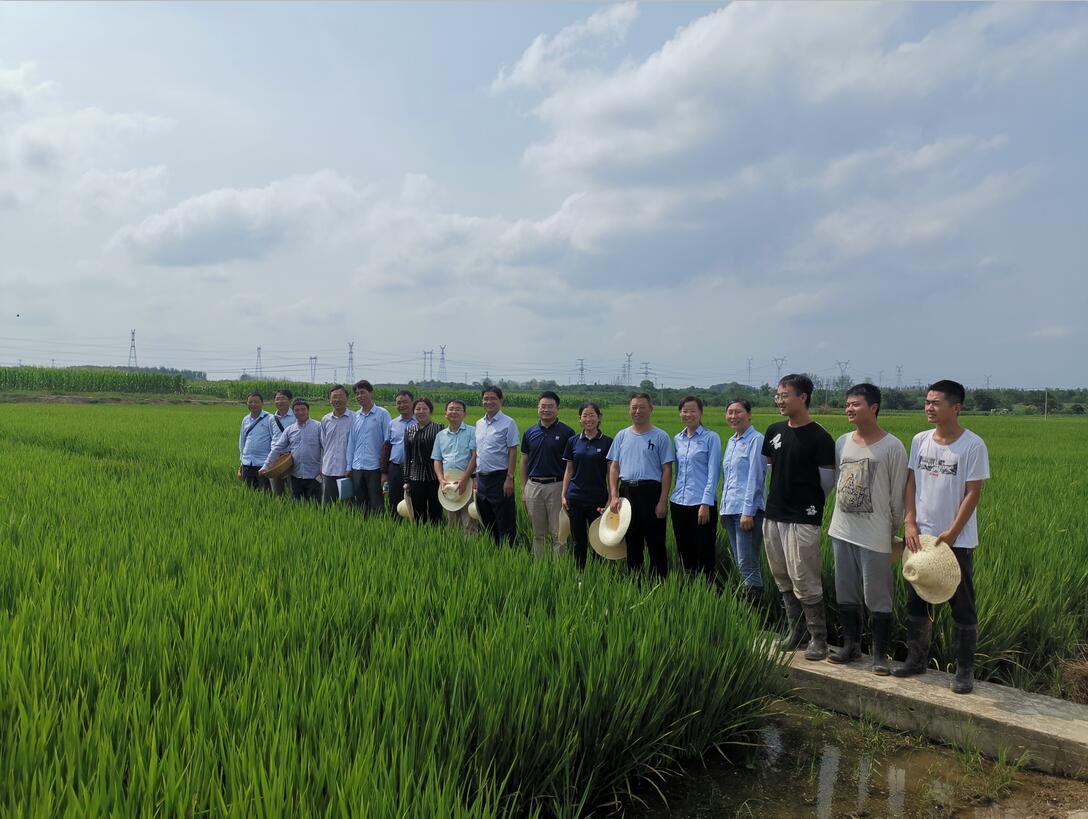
(549, 394)
(744, 402)
(953, 390)
(300, 402)
(286, 393)
(464, 406)
(799, 382)
(362, 384)
(494, 389)
(870, 392)
(423, 400)
(698, 401)
(255, 393)
(405, 392)
(593, 405)
(644, 395)
(336, 387)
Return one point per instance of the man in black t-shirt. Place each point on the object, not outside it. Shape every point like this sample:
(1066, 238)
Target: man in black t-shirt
(802, 458)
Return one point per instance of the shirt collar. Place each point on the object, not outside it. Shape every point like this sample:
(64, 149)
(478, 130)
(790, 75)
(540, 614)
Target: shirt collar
(490, 421)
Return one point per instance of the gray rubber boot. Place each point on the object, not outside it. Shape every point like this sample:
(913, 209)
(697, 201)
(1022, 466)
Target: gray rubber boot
(919, 630)
(795, 623)
(850, 620)
(965, 639)
(816, 619)
(882, 634)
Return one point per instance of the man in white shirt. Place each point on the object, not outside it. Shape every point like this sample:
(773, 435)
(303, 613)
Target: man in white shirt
(947, 466)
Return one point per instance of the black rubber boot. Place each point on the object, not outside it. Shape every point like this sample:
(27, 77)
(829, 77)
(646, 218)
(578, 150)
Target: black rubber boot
(882, 634)
(965, 639)
(919, 630)
(795, 623)
(850, 620)
(816, 619)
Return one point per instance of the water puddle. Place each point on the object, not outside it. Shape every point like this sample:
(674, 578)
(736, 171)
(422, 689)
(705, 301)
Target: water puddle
(810, 763)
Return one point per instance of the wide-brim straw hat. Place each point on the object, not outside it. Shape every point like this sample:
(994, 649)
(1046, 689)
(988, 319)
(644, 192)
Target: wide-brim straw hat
(473, 512)
(281, 466)
(617, 551)
(933, 570)
(448, 495)
(405, 510)
(614, 525)
(564, 526)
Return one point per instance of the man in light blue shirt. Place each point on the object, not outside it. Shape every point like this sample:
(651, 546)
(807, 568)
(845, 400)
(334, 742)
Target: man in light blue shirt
(334, 437)
(281, 419)
(366, 442)
(303, 440)
(254, 442)
(641, 471)
(497, 441)
(397, 427)
(455, 448)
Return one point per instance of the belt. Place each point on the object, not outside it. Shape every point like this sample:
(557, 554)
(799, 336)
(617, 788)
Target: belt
(645, 481)
(489, 474)
(545, 480)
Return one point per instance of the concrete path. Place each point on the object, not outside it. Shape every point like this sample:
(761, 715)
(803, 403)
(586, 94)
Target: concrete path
(994, 718)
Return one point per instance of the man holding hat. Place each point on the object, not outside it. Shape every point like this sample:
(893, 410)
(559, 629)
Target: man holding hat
(542, 468)
(455, 449)
(496, 463)
(947, 466)
(641, 470)
(303, 440)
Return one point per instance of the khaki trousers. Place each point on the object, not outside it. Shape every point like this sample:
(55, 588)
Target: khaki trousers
(461, 521)
(543, 502)
(793, 552)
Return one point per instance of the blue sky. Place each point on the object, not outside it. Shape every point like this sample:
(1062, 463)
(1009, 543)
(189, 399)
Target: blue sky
(697, 184)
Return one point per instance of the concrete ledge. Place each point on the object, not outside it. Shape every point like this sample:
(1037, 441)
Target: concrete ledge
(994, 718)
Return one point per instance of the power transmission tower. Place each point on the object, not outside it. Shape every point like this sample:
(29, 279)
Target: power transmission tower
(335, 375)
(351, 362)
(442, 363)
(749, 371)
(430, 361)
(987, 382)
(313, 369)
(646, 371)
(132, 350)
(880, 378)
(627, 370)
(778, 362)
(582, 371)
(899, 376)
(424, 377)
(258, 368)
(844, 366)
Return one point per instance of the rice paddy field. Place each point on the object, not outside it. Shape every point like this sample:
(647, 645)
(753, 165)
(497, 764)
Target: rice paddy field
(173, 644)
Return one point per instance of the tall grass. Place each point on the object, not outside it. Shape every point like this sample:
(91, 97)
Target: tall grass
(172, 644)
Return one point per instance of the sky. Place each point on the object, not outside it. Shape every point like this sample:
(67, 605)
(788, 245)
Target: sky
(891, 191)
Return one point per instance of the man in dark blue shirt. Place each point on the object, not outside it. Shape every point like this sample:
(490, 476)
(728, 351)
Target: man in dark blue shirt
(542, 447)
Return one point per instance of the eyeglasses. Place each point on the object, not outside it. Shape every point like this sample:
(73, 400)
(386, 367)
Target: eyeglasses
(782, 396)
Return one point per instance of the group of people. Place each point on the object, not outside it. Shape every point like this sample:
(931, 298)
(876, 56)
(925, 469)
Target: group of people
(934, 491)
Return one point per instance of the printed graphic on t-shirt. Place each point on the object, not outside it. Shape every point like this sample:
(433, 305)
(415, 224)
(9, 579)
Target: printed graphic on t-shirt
(853, 493)
(776, 441)
(937, 466)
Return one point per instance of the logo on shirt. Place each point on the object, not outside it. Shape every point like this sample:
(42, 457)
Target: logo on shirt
(811, 511)
(776, 441)
(649, 444)
(935, 466)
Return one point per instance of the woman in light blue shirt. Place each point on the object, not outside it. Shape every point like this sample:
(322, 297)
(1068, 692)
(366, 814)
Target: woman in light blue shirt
(692, 502)
(744, 475)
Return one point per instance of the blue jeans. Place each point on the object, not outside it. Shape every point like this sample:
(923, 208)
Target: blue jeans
(746, 546)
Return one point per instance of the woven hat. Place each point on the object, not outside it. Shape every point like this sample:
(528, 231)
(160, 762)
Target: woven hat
(614, 524)
(564, 526)
(617, 551)
(405, 510)
(933, 570)
(281, 466)
(473, 512)
(448, 495)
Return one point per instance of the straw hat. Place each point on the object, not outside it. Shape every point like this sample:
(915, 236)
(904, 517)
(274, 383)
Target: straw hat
(564, 526)
(473, 512)
(448, 495)
(405, 510)
(281, 466)
(933, 570)
(897, 549)
(614, 524)
(617, 551)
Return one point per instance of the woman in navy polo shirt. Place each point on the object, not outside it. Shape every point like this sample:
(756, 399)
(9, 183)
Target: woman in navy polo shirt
(585, 481)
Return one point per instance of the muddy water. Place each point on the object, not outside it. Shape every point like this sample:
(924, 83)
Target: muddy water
(810, 763)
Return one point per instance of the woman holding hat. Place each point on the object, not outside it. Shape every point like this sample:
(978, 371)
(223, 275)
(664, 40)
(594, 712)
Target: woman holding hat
(420, 481)
(585, 480)
(693, 501)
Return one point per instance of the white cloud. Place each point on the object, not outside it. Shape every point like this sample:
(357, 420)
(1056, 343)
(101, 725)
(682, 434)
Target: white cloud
(1058, 331)
(47, 143)
(18, 87)
(546, 60)
(116, 191)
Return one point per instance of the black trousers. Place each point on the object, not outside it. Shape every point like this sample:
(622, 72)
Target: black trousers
(330, 492)
(963, 600)
(424, 495)
(396, 488)
(694, 542)
(581, 515)
(367, 486)
(253, 479)
(646, 528)
(498, 513)
(305, 488)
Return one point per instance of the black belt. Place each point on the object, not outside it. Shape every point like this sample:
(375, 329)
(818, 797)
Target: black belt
(489, 474)
(545, 480)
(645, 481)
